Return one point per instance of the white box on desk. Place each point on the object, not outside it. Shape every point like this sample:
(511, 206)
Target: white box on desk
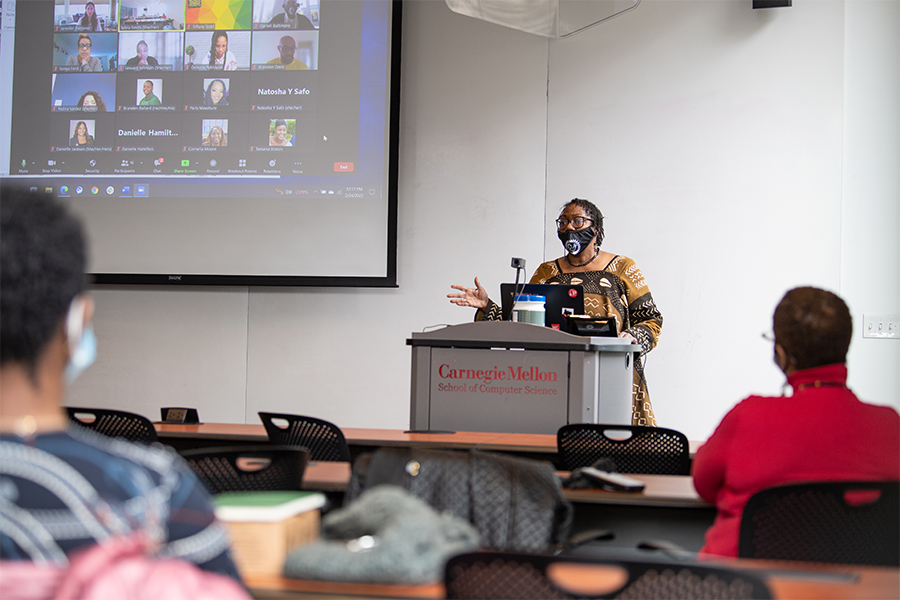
(265, 526)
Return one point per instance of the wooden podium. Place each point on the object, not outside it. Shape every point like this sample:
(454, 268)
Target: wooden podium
(517, 378)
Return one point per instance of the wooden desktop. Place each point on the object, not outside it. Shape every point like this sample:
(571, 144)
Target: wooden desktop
(532, 445)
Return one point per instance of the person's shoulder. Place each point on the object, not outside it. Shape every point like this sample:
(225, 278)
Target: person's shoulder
(755, 404)
(152, 61)
(887, 414)
(545, 271)
(621, 263)
(279, 18)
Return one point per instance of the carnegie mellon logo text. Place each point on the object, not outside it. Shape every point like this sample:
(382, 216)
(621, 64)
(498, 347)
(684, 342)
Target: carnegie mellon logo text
(497, 374)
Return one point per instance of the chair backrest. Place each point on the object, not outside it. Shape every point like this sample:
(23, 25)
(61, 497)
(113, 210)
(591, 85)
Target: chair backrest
(515, 503)
(249, 468)
(323, 439)
(850, 522)
(114, 423)
(650, 450)
(495, 575)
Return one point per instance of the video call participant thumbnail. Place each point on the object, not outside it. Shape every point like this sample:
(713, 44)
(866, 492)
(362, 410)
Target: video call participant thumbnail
(157, 131)
(271, 89)
(218, 14)
(82, 133)
(146, 96)
(219, 55)
(89, 20)
(217, 51)
(201, 133)
(83, 58)
(89, 92)
(142, 57)
(286, 48)
(84, 53)
(158, 15)
(215, 133)
(150, 51)
(291, 16)
(281, 132)
(216, 92)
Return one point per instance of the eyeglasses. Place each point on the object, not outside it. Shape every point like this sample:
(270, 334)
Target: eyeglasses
(84, 45)
(769, 337)
(291, 48)
(577, 222)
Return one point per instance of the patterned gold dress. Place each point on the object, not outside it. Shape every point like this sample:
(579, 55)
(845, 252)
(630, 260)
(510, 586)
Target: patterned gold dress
(619, 290)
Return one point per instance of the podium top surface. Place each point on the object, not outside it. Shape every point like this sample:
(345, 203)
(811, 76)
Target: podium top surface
(507, 334)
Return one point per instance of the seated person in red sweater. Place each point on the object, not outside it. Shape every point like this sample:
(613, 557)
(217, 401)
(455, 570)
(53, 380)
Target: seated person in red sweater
(822, 432)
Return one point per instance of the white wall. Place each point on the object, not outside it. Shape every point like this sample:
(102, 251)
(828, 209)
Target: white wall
(870, 217)
(717, 140)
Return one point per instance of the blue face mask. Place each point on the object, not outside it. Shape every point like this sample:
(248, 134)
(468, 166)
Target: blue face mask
(83, 356)
(81, 339)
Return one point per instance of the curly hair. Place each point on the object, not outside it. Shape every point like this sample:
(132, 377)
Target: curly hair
(42, 262)
(813, 326)
(593, 213)
(101, 105)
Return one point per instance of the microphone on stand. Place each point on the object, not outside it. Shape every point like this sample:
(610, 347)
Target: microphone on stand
(519, 265)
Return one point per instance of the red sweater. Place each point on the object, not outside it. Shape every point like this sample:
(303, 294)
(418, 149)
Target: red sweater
(819, 433)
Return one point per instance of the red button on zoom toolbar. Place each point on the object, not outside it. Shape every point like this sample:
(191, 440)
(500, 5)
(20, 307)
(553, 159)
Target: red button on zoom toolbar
(343, 167)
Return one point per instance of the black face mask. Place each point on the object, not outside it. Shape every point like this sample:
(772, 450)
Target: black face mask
(576, 241)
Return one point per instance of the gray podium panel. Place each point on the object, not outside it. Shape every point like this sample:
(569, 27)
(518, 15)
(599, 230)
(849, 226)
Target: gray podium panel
(517, 378)
(499, 390)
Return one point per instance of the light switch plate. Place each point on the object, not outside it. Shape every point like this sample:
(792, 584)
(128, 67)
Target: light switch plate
(881, 326)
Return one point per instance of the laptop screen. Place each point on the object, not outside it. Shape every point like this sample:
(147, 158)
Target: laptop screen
(561, 300)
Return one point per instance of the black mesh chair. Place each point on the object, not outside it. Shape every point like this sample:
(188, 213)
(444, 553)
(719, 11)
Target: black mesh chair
(650, 450)
(500, 575)
(114, 423)
(249, 468)
(323, 439)
(850, 522)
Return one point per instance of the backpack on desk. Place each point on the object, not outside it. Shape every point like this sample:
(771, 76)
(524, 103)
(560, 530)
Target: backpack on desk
(516, 504)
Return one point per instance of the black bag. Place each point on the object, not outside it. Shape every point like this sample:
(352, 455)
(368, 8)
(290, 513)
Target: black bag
(515, 503)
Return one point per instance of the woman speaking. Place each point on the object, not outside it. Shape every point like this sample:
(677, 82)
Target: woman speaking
(613, 287)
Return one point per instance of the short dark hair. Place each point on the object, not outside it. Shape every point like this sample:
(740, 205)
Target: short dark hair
(42, 262)
(593, 214)
(813, 326)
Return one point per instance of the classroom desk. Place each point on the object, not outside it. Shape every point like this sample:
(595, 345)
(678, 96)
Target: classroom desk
(668, 509)
(538, 446)
(666, 491)
(786, 581)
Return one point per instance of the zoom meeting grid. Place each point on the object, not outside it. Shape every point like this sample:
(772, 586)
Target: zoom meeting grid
(195, 87)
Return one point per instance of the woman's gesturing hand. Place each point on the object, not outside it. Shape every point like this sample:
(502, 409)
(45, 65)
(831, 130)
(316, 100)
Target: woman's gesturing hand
(476, 297)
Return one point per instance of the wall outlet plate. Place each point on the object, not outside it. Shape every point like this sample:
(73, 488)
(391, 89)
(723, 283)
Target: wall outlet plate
(881, 326)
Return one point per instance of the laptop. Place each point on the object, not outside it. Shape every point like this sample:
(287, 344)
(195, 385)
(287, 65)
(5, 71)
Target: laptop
(561, 300)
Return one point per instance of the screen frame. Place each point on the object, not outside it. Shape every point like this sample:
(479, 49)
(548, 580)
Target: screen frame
(389, 280)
